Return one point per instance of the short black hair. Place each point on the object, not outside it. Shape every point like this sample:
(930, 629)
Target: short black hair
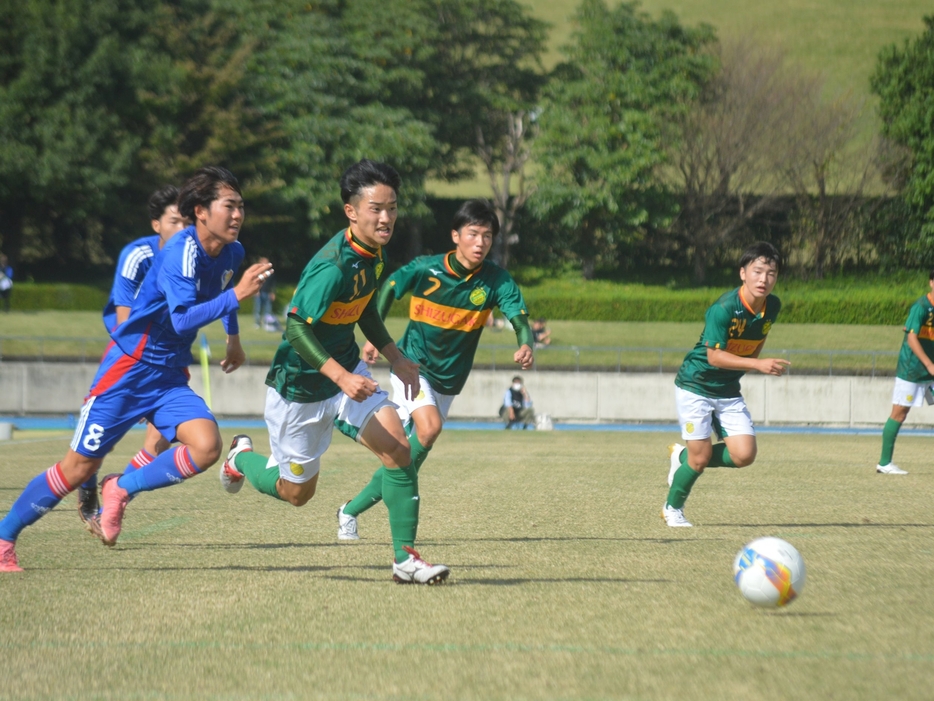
(478, 211)
(161, 200)
(761, 249)
(202, 189)
(367, 173)
(932, 274)
(517, 379)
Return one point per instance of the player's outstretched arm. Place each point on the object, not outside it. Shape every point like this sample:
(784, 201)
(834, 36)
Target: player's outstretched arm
(918, 350)
(729, 361)
(236, 356)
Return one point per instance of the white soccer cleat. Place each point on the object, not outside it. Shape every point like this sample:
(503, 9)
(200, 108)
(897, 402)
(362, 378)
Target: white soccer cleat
(231, 478)
(674, 460)
(346, 525)
(890, 469)
(674, 518)
(415, 570)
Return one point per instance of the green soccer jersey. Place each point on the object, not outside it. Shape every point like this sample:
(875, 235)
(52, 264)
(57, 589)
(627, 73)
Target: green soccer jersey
(336, 286)
(447, 313)
(921, 321)
(732, 326)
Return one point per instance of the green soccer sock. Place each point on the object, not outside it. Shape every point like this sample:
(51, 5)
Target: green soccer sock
(370, 495)
(419, 452)
(254, 467)
(720, 457)
(681, 485)
(400, 492)
(889, 434)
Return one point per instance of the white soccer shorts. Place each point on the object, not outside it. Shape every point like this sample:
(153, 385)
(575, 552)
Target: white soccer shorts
(427, 396)
(300, 433)
(695, 414)
(907, 393)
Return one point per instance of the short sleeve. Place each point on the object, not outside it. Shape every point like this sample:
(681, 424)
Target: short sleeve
(509, 298)
(716, 327)
(317, 289)
(915, 319)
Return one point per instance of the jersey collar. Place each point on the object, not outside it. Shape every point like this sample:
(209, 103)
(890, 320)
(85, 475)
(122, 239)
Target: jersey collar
(749, 308)
(453, 266)
(360, 248)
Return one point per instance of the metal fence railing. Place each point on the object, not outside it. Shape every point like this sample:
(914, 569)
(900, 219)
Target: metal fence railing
(567, 358)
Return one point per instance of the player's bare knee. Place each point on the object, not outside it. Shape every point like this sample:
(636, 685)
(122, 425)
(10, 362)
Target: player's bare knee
(430, 436)
(296, 494)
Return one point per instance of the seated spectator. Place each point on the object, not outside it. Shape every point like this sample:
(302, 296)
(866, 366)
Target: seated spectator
(541, 333)
(517, 406)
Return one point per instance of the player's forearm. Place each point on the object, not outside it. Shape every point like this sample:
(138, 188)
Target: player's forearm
(373, 328)
(384, 299)
(524, 336)
(915, 344)
(199, 315)
(302, 338)
(724, 360)
(391, 352)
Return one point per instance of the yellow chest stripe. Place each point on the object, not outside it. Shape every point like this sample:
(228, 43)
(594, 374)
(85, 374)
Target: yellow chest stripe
(445, 317)
(345, 312)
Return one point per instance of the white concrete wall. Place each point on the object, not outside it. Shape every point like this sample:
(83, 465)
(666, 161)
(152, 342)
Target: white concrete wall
(57, 388)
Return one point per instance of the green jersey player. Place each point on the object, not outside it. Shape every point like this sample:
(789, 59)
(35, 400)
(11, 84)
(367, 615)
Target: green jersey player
(317, 380)
(913, 376)
(453, 295)
(707, 385)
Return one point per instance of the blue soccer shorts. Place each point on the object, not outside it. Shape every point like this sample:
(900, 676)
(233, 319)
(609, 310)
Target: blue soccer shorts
(126, 390)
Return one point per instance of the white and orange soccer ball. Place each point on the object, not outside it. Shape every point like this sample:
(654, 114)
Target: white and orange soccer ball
(769, 572)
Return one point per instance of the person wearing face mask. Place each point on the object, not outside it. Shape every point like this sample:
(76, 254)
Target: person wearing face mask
(517, 405)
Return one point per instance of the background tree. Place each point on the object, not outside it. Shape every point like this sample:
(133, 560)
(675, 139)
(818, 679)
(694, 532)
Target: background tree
(465, 68)
(724, 147)
(601, 136)
(68, 124)
(904, 81)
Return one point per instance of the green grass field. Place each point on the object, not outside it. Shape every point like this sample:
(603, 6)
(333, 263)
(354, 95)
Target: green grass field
(594, 343)
(565, 583)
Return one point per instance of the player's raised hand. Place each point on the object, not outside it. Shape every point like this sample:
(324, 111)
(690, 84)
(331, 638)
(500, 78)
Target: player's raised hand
(252, 281)
(235, 355)
(524, 357)
(357, 387)
(369, 354)
(773, 366)
(407, 371)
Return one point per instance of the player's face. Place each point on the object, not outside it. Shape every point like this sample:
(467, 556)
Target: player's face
(169, 224)
(759, 277)
(373, 215)
(472, 244)
(221, 221)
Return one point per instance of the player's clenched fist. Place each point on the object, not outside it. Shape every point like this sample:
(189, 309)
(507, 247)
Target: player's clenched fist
(252, 280)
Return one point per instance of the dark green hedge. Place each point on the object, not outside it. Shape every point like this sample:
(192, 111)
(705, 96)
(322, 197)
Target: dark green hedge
(873, 305)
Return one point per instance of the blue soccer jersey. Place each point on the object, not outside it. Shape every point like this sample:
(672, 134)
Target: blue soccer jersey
(134, 262)
(184, 290)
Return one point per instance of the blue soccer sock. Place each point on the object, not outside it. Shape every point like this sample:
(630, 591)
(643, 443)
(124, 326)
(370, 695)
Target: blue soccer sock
(39, 497)
(172, 467)
(91, 484)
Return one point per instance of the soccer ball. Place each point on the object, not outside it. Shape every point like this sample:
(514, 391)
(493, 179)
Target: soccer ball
(769, 572)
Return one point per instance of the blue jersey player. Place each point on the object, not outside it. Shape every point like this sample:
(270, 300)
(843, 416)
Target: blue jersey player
(145, 372)
(134, 262)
